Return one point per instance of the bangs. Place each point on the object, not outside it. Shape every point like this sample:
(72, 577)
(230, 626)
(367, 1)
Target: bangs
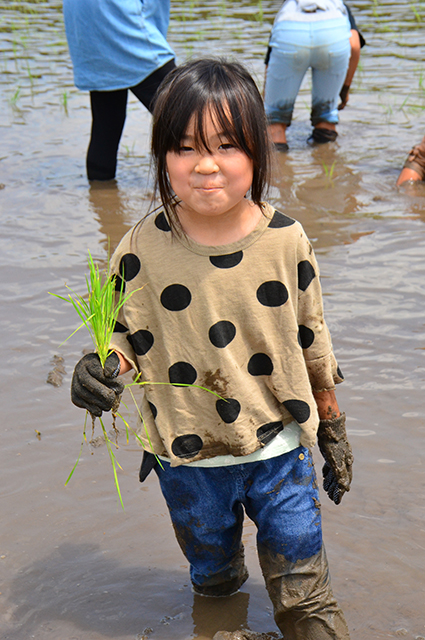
(216, 95)
(227, 120)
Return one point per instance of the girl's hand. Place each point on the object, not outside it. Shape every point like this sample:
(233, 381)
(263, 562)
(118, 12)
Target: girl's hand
(338, 456)
(344, 95)
(95, 388)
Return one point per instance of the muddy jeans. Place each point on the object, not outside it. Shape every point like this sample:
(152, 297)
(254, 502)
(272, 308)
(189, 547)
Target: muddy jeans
(280, 496)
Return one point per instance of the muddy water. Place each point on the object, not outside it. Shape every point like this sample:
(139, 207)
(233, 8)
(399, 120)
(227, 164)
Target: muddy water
(73, 565)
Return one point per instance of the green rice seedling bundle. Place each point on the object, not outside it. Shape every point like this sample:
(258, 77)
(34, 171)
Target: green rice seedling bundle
(98, 312)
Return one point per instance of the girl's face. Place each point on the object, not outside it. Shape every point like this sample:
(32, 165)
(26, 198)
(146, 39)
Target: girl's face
(210, 183)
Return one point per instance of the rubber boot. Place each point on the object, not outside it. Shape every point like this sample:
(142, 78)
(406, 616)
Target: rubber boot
(322, 136)
(304, 605)
(283, 147)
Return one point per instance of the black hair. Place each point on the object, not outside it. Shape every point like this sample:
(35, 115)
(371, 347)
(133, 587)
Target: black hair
(229, 92)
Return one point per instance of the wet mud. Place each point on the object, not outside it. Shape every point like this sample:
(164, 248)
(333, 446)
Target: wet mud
(74, 565)
(245, 634)
(55, 376)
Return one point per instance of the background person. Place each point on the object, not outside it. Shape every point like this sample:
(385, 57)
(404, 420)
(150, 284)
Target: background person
(116, 45)
(414, 167)
(319, 34)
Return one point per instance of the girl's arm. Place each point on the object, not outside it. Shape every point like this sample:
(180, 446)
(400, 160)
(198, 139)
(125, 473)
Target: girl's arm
(327, 405)
(124, 363)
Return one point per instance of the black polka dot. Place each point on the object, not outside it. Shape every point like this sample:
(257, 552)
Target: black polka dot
(260, 365)
(120, 328)
(228, 409)
(339, 372)
(182, 373)
(272, 293)
(227, 261)
(153, 409)
(119, 284)
(161, 222)
(305, 274)
(176, 297)
(141, 341)
(298, 409)
(187, 446)
(222, 333)
(268, 431)
(305, 336)
(279, 220)
(129, 266)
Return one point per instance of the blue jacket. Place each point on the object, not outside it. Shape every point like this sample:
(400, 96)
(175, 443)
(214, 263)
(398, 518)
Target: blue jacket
(115, 44)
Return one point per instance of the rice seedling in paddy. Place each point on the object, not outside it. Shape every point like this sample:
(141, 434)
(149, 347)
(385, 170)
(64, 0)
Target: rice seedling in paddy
(98, 312)
(259, 15)
(14, 99)
(416, 13)
(64, 101)
(329, 171)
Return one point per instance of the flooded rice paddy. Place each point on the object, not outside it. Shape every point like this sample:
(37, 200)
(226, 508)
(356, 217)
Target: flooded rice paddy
(74, 566)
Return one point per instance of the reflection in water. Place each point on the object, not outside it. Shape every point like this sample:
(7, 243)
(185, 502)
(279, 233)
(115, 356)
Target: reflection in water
(213, 614)
(319, 188)
(108, 205)
(77, 588)
(415, 201)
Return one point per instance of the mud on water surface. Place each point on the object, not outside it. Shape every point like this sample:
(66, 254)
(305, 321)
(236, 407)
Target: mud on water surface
(74, 566)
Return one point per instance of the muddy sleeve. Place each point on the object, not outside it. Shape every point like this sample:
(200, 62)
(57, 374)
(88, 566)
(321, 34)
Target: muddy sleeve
(314, 336)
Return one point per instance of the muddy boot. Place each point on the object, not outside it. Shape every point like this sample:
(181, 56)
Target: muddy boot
(322, 136)
(283, 147)
(416, 159)
(303, 602)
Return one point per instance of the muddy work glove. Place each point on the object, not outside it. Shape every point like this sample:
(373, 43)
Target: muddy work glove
(95, 388)
(336, 450)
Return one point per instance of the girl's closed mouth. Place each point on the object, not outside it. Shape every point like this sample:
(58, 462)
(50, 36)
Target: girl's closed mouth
(209, 188)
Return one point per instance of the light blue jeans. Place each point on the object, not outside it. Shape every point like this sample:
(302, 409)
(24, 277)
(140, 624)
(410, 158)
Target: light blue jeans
(323, 45)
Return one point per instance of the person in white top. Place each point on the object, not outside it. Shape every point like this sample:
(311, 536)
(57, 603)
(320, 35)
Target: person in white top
(320, 34)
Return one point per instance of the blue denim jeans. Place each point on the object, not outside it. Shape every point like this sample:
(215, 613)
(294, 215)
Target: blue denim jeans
(207, 506)
(324, 46)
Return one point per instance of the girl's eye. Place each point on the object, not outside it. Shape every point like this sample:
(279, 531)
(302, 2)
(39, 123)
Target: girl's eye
(227, 145)
(184, 148)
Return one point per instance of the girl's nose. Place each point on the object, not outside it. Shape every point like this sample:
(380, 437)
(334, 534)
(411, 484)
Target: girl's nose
(206, 165)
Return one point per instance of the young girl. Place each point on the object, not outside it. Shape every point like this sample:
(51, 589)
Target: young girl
(231, 301)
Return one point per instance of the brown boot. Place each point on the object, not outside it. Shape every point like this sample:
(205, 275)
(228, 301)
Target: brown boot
(304, 605)
(416, 159)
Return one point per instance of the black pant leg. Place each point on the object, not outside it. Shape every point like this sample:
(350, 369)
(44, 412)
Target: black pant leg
(108, 114)
(145, 91)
